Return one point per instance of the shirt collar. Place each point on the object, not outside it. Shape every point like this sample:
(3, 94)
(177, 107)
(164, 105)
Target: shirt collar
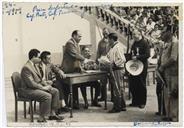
(114, 44)
(31, 62)
(74, 40)
(43, 64)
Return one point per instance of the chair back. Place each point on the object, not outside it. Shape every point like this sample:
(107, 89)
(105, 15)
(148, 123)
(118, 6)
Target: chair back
(16, 82)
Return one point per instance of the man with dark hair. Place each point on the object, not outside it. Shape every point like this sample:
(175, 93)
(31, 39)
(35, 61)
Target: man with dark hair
(90, 65)
(35, 88)
(47, 69)
(115, 66)
(72, 59)
(102, 50)
(140, 50)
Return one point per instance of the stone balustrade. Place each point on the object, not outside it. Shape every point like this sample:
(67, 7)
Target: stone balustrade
(119, 24)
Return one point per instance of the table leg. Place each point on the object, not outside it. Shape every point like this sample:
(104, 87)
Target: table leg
(154, 77)
(71, 101)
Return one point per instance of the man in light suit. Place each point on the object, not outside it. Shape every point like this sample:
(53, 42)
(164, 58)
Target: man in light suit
(33, 87)
(169, 69)
(48, 70)
(72, 59)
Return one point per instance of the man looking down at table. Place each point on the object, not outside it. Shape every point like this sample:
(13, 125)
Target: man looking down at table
(114, 63)
(90, 64)
(72, 59)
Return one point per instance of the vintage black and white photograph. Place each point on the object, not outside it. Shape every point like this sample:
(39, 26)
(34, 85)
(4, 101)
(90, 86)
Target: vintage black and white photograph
(92, 64)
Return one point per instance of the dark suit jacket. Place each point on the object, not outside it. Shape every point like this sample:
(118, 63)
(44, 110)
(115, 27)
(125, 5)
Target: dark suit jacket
(72, 57)
(50, 69)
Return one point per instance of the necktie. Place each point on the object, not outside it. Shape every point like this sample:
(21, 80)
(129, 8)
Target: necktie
(41, 71)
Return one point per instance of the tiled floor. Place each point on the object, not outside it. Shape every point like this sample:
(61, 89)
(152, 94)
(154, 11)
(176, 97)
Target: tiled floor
(92, 114)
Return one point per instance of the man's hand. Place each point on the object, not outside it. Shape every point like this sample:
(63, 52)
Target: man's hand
(62, 75)
(82, 70)
(85, 61)
(47, 88)
(49, 82)
(134, 57)
(161, 69)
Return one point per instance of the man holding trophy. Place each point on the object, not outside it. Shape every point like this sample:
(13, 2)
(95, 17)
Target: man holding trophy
(140, 53)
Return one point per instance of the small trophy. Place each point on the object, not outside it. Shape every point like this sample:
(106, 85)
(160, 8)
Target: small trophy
(137, 50)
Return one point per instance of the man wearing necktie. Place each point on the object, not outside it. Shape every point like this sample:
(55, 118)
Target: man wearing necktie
(48, 70)
(33, 87)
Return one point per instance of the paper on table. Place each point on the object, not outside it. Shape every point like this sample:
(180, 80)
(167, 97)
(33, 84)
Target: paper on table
(91, 71)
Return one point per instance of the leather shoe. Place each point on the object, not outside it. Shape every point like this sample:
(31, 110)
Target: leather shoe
(123, 109)
(41, 120)
(157, 113)
(64, 109)
(56, 117)
(75, 106)
(95, 103)
(141, 106)
(133, 105)
(86, 105)
(101, 99)
(113, 111)
(166, 119)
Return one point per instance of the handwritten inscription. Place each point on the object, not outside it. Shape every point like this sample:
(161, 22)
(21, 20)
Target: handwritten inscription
(10, 9)
(151, 124)
(51, 12)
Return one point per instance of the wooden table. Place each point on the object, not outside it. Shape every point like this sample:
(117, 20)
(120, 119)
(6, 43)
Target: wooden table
(76, 78)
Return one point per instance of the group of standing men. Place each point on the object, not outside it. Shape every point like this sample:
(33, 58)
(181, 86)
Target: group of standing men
(39, 85)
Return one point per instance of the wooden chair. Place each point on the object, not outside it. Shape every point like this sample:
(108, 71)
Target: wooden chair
(16, 82)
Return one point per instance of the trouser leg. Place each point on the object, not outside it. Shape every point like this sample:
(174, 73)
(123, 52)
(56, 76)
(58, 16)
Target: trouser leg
(159, 96)
(55, 98)
(83, 92)
(133, 87)
(117, 95)
(103, 88)
(96, 85)
(142, 91)
(43, 97)
(75, 95)
(57, 84)
(65, 92)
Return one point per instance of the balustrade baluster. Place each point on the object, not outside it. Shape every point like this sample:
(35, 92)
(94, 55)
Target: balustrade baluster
(109, 19)
(120, 26)
(113, 22)
(116, 23)
(106, 18)
(98, 12)
(90, 10)
(126, 30)
(103, 15)
(81, 7)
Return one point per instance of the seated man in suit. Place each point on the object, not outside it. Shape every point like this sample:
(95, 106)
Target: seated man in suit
(48, 70)
(33, 87)
(90, 64)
